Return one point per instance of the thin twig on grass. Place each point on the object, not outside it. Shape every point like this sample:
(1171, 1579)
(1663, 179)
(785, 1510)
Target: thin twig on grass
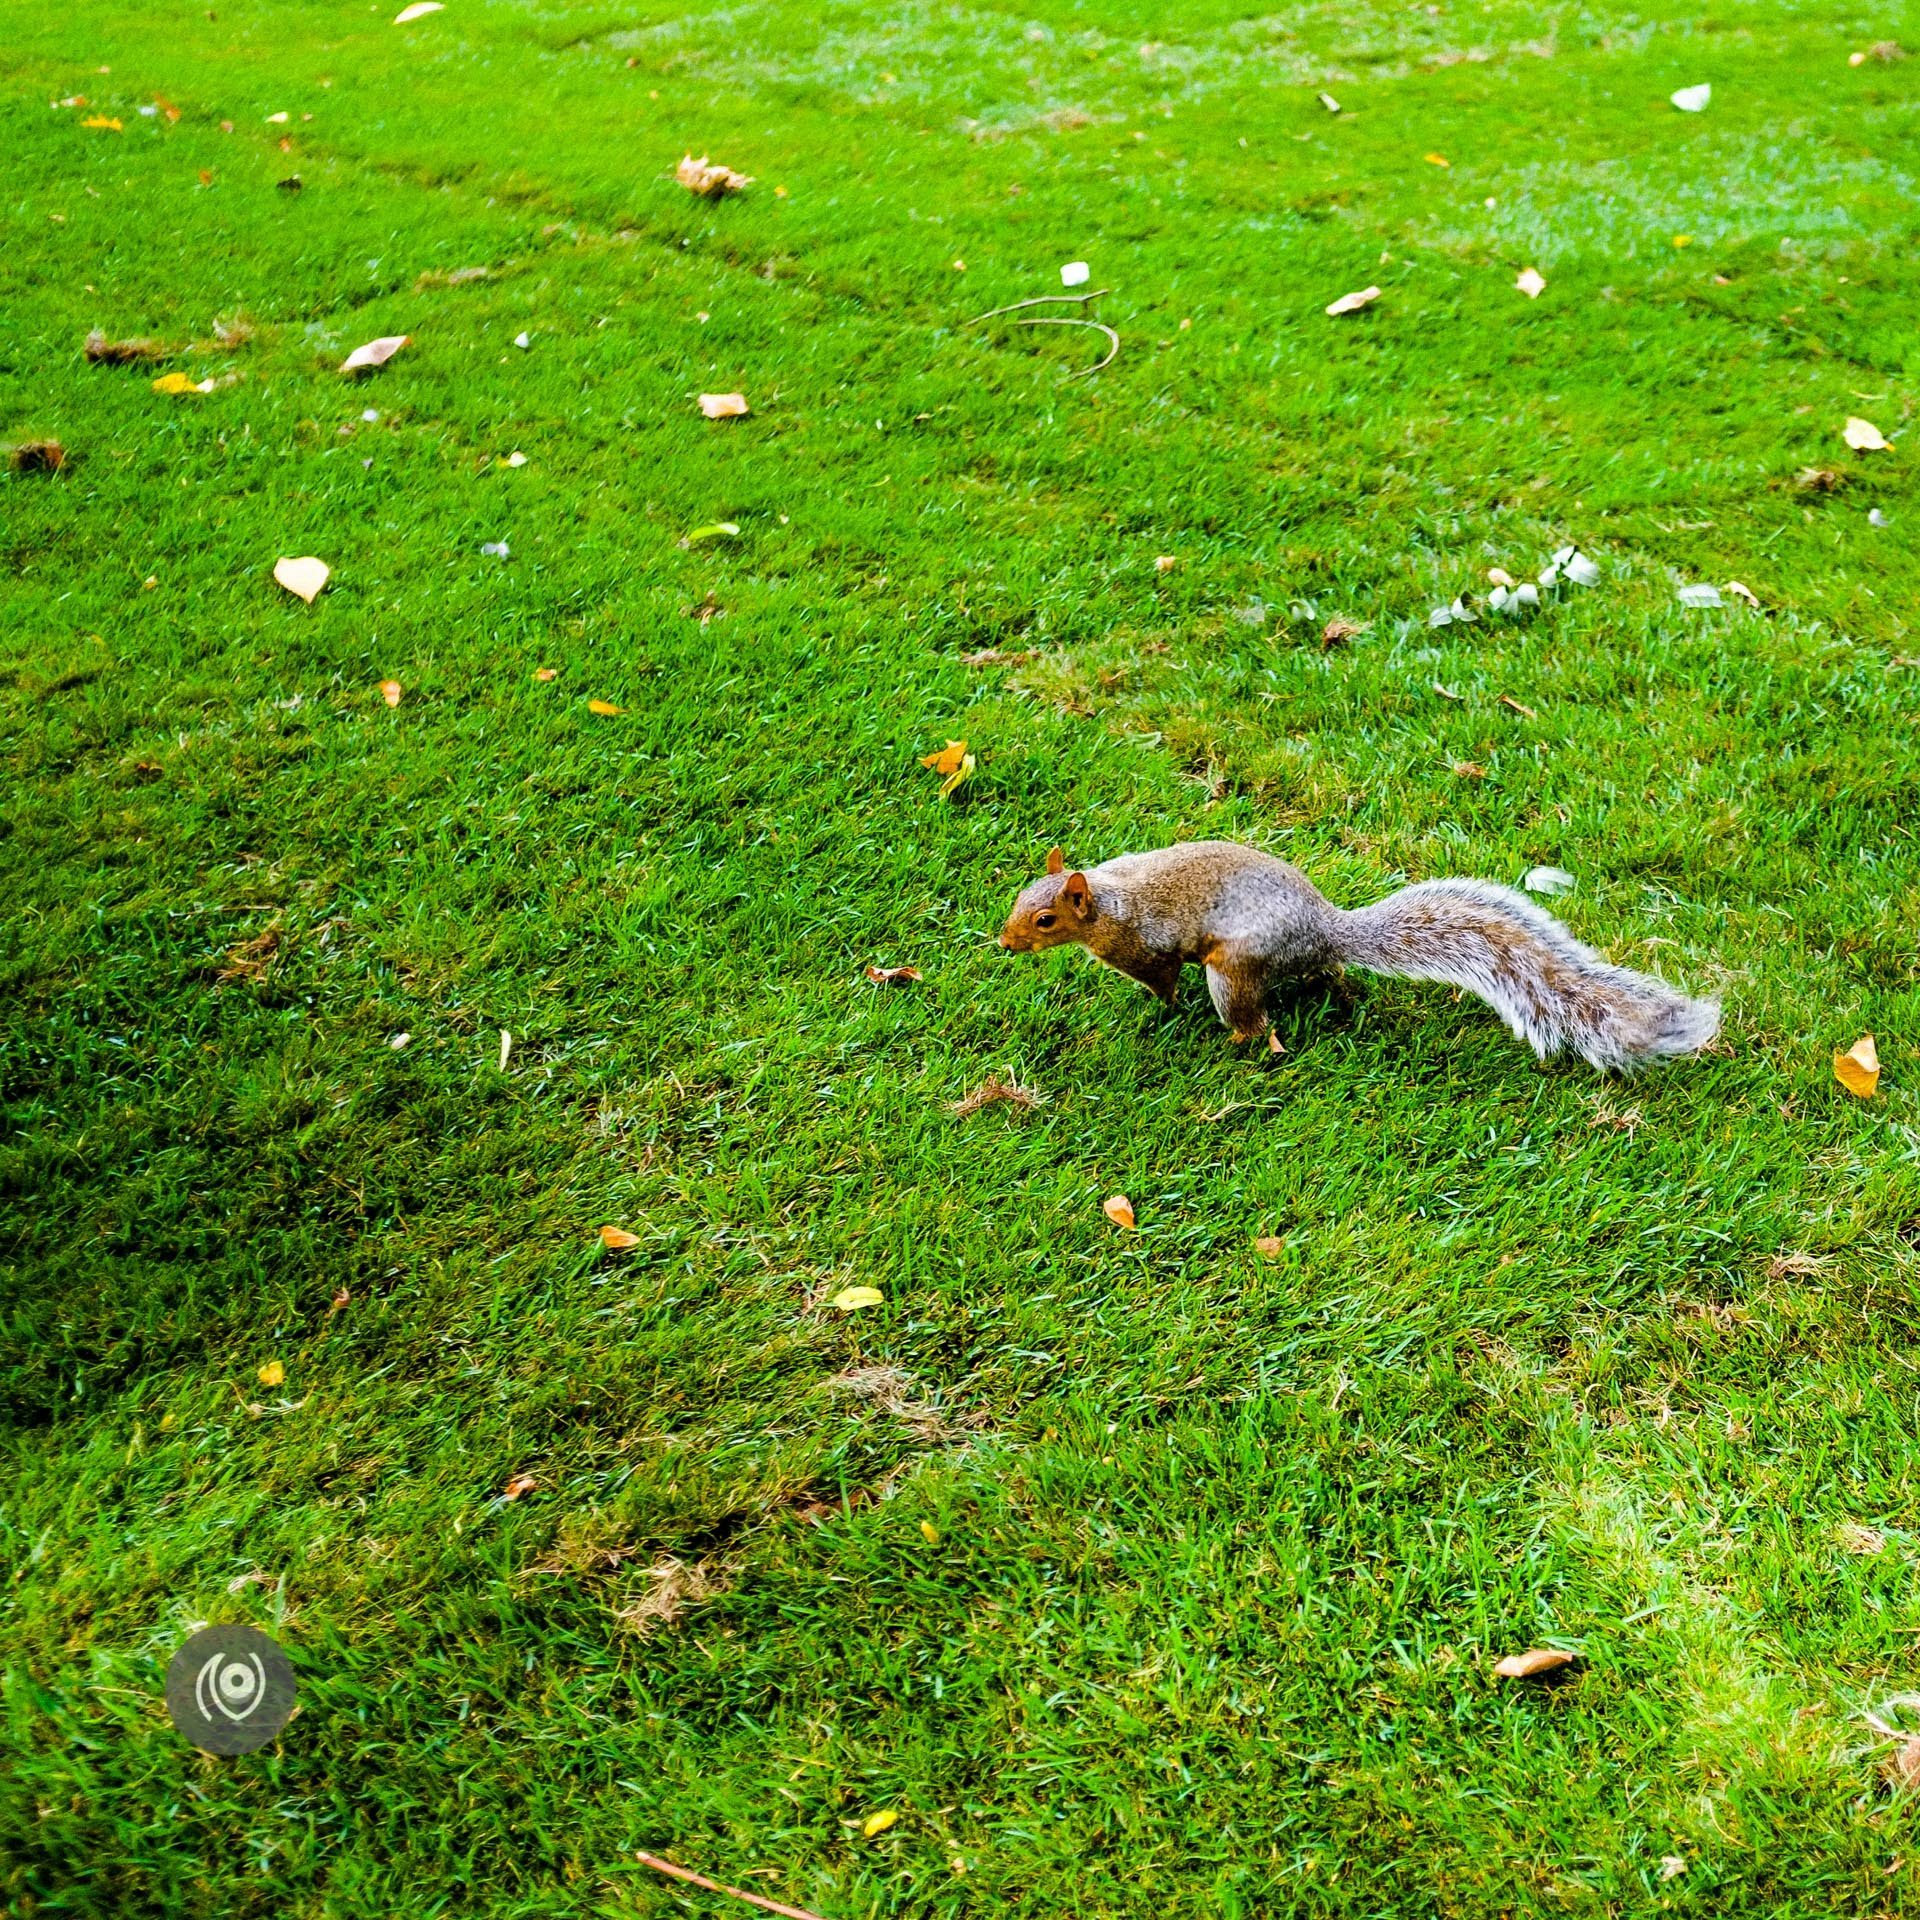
(1099, 326)
(654, 1861)
(1038, 300)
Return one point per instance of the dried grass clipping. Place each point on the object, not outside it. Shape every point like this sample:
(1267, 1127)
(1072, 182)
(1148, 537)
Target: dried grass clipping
(995, 1088)
(672, 1587)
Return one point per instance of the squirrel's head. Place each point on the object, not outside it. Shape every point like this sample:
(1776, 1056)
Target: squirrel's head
(1051, 912)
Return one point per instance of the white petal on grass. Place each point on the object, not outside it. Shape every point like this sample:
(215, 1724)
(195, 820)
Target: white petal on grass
(1330, 103)
(1875, 518)
(515, 459)
(523, 339)
(376, 353)
(370, 415)
(1531, 282)
(418, 11)
(1700, 595)
(1863, 436)
(498, 548)
(1548, 881)
(1076, 273)
(1574, 566)
(1353, 302)
(1693, 99)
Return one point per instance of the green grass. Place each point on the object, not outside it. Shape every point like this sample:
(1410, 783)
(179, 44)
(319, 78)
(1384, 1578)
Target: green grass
(1158, 1578)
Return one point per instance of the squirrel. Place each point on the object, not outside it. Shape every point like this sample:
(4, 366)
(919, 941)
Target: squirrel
(1251, 919)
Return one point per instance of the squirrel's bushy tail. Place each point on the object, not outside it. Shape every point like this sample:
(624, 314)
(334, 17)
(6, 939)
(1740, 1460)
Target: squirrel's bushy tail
(1549, 989)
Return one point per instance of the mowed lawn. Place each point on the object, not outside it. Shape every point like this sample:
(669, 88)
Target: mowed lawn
(1138, 1573)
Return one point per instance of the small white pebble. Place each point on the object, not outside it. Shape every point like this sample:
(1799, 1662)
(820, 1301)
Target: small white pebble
(523, 339)
(1076, 273)
(401, 1042)
(370, 415)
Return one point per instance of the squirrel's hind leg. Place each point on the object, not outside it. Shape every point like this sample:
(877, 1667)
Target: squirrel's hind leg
(1239, 989)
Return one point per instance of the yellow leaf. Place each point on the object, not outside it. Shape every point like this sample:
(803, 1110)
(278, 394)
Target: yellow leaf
(958, 777)
(931, 1531)
(519, 1484)
(877, 1823)
(601, 706)
(101, 120)
(724, 406)
(545, 673)
(852, 1299)
(305, 576)
(618, 1239)
(272, 1374)
(179, 383)
(1270, 1246)
(1119, 1209)
(948, 759)
(1858, 1069)
(1438, 160)
(390, 692)
(1863, 436)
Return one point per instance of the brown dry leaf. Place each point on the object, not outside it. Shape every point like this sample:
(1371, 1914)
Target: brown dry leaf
(1165, 562)
(708, 178)
(1864, 437)
(1339, 630)
(519, 1484)
(1821, 479)
(1507, 700)
(618, 1239)
(1119, 1209)
(724, 406)
(544, 674)
(993, 1089)
(1746, 593)
(390, 692)
(1270, 1246)
(272, 1374)
(1537, 1661)
(376, 353)
(37, 456)
(304, 576)
(1858, 1069)
(340, 1300)
(601, 706)
(249, 959)
(1353, 302)
(1275, 1045)
(102, 352)
(1469, 770)
(892, 976)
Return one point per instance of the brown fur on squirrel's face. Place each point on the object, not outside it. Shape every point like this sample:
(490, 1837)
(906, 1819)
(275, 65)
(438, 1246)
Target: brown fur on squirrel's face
(1052, 912)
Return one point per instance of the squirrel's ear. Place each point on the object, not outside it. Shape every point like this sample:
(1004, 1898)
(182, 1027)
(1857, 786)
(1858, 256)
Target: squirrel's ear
(1056, 861)
(1077, 895)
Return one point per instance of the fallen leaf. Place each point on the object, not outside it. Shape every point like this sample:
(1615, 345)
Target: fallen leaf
(1858, 1069)
(376, 353)
(1119, 1209)
(1447, 693)
(618, 1239)
(546, 673)
(1538, 1660)
(1270, 1246)
(708, 178)
(179, 383)
(1329, 102)
(1672, 1866)
(1353, 302)
(1339, 630)
(515, 459)
(724, 406)
(497, 549)
(877, 1823)
(1275, 1045)
(994, 1089)
(1469, 770)
(714, 530)
(278, 119)
(1574, 566)
(1820, 479)
(103, 121)
(1076, 273)
(930, 1533)
(1500, 576)
(1531, 282)
(418, 11)
(852, 1299)
(390, 692)
(1700, 595)
(1507, 700)
(892, 976)
(506, 1048)
(340, 1300)
(1864, 437)
(1902, 1765)
(601, 706)
(272, 1374)
(1438, 160)
(1692, 99)
(1165, 563)
(1548, 881)
(304, 576)
(37, 456)
(954, 762)
(519, 1484)
(167, 108)
(1746, 593)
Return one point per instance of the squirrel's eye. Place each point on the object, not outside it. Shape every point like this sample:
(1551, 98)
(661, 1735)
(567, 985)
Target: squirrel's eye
(1043, 919)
